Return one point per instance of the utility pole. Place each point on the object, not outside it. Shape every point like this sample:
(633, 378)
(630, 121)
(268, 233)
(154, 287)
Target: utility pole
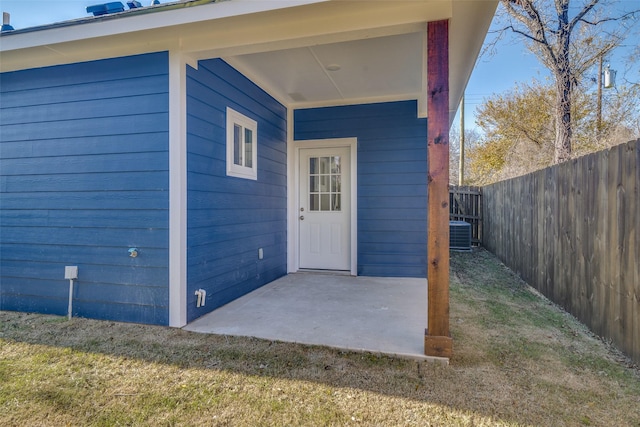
(599, 117)
(461, 165)
(609, 82)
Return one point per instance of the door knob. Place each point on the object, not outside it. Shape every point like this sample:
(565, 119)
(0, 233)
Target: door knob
(301, 217)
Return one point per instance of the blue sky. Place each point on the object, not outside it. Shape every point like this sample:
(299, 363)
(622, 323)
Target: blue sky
(513, 64)
(493, 74)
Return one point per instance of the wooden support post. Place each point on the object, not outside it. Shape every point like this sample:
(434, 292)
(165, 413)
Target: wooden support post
(437, 340)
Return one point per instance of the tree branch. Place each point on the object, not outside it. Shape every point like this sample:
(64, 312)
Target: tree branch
(525, 35)
(619, 18)
(533, 21)
(528, 135)
(581, 14)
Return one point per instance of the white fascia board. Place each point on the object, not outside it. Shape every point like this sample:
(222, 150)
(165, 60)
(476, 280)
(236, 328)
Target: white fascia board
(149, 21)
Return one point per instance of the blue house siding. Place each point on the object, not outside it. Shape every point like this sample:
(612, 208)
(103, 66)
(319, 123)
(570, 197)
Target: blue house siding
(392, 180)
(84, 177)
(229, 218)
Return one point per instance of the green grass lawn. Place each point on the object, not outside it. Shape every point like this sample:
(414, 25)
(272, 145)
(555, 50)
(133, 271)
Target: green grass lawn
(518, 360)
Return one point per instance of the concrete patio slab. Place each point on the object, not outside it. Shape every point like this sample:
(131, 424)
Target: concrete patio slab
(378, 315)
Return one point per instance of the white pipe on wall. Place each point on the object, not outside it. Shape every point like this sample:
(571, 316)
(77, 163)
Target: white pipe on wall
(70, 298)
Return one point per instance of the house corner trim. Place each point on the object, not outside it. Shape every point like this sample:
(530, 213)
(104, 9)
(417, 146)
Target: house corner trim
(177, 189)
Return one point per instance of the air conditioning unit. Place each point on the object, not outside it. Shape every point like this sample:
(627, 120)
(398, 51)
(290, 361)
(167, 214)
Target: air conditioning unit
(459, 236)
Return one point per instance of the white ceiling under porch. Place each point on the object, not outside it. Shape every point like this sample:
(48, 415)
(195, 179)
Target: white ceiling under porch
(372, 69)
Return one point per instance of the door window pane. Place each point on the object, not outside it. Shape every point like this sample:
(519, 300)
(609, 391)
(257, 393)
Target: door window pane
(325, 184)
(314, 202)
(335, 202)
(335, 164)
(335, 184)
(324, 202)
(324, 165)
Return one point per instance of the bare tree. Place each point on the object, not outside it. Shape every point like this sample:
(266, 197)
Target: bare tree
(518, 126)
(557, 32)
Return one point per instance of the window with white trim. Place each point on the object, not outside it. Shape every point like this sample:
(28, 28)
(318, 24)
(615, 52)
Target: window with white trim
(242, 145)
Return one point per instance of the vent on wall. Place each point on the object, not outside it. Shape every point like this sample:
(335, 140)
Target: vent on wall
(459, 236)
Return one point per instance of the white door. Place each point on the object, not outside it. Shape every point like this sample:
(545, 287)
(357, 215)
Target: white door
(324, 214)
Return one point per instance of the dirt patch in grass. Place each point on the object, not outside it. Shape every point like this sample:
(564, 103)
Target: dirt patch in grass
(519, 360)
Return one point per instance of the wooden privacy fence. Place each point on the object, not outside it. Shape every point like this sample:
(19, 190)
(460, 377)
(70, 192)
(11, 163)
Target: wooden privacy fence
(465, 204)
(572, 231)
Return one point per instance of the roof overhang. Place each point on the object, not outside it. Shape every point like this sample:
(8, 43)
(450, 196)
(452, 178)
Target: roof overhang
(305, 53)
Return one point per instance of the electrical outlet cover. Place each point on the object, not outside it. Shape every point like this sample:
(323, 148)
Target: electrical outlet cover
(71, 272)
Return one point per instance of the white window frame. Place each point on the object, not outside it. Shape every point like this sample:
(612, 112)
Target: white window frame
(240, 171)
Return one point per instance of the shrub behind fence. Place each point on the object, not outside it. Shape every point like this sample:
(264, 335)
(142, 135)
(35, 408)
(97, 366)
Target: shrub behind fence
(572, 231)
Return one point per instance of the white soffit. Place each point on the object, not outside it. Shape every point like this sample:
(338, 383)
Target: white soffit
(370, 69)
